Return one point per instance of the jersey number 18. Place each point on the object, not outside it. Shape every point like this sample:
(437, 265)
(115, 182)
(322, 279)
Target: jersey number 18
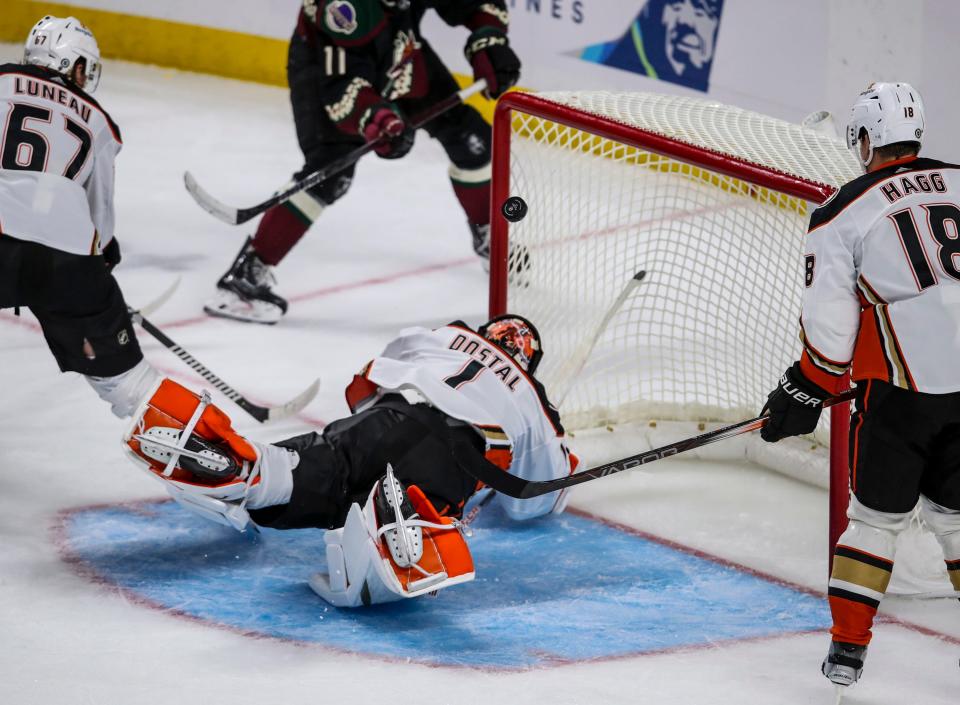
(943, 223)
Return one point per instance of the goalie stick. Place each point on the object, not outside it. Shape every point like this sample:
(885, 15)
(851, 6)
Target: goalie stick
(236, 216)
(582, 357)
(149, 308)
(260, 413)
(513, 486)
(608, 316)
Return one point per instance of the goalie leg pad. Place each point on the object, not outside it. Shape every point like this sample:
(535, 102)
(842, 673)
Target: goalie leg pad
(186, 442)
(362, 570)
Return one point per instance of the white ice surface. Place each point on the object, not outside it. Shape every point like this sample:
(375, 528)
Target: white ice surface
(66, 640)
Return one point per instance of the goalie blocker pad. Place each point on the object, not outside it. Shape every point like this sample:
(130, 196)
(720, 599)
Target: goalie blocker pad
(362, 570)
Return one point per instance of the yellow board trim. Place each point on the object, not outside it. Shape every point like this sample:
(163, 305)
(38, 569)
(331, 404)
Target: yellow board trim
(175, 44)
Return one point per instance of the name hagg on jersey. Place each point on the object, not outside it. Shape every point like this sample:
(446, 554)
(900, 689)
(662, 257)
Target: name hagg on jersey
(489, 357)
(51, 92)
(913, 183)
(882, 278)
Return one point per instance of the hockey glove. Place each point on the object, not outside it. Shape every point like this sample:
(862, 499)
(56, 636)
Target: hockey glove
(111, 254)
(794, 406)
(384, 124)
(492, 59)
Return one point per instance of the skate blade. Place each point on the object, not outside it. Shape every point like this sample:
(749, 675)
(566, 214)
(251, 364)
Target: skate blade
(232, 316)
(228, 305)
(839, 691)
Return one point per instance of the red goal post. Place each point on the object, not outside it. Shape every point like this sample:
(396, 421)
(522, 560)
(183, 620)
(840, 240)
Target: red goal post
(614, 127)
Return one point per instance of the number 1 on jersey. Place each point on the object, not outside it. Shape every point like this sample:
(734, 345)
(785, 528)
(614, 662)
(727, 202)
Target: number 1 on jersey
(469, 373)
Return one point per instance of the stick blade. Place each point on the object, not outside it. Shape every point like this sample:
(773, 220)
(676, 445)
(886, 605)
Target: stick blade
(210, 204)
(150, 307)
(295, 405)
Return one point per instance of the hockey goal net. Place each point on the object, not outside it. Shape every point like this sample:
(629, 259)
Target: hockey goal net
(712, 203)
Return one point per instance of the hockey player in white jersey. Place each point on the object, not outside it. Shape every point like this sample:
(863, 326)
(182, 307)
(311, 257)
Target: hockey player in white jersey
(389, 482)
(882, 300)
(57, 244)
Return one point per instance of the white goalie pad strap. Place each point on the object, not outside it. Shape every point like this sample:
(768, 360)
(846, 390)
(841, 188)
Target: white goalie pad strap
(223, 504)
(360, 571)
(471, 176)
(405, 541)
(125, 392)
(275, 467)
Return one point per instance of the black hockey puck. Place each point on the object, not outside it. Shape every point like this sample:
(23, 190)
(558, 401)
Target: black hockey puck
(514, 209)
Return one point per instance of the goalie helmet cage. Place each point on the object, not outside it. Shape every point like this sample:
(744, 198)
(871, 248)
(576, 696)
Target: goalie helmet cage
(713, 202)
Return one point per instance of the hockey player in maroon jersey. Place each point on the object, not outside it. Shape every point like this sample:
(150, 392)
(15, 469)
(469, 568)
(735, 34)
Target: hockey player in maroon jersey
(358, 71)
(881, 300)
(389, 482)
(57, 243)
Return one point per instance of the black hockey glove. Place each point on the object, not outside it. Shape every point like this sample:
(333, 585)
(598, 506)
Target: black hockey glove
(794, 406)
(111, 254)
(492, 59)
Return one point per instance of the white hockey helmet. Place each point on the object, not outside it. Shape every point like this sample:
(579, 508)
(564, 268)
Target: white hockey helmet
(889, 113)
(58, 43)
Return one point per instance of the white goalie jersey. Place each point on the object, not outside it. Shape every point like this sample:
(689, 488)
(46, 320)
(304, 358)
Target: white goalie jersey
(883, 280)
(57, 156)
(471, 379)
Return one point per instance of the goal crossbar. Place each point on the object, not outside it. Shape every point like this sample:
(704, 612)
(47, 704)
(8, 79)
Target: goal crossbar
(733, 166)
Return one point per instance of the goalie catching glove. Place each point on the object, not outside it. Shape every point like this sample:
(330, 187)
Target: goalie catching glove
(794, 406)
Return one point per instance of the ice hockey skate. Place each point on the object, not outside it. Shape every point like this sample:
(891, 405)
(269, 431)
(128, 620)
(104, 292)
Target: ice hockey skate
(518, 261)
(245, 292)
(481, 241)
(394, 510)
(844, 663)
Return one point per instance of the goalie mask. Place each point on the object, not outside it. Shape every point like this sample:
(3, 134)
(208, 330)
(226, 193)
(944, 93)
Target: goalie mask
(59, 44)
(518, 337)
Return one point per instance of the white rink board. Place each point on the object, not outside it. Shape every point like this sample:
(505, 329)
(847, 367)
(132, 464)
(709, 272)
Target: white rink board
(778, 57)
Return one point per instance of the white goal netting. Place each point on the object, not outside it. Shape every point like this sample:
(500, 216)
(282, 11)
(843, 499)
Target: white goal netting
(712, 326)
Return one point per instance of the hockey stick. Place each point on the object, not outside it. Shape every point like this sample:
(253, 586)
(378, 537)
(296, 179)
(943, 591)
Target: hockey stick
(608, 316)
(160, 300)
(519, 488)
(235, 216)
(260, 413)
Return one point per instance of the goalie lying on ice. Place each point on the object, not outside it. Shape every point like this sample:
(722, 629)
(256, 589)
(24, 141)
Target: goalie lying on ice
(389, 482)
